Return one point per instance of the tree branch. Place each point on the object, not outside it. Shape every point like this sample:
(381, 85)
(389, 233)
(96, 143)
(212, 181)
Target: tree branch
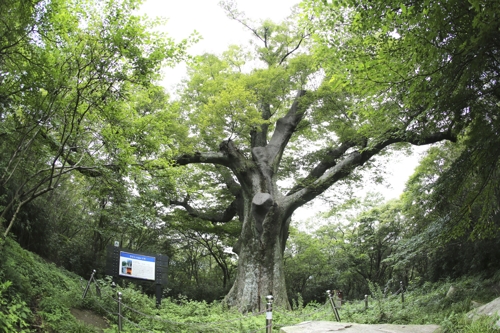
(259, 137)
(227, 215)
(327, 176)
(231, 184)
(328, 161)
(232, 13)
(294, 49)
(269, 157)
(198, 157)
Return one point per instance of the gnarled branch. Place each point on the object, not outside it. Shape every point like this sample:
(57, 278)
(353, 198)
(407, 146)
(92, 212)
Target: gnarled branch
(326, 177)
(227, 215)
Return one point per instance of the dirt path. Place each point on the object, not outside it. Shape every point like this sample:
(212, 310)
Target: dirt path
(328, 326)
(90, 318)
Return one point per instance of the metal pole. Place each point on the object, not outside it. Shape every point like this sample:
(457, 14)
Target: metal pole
(88, 284)
(269, 314)
(366, 302)
(119, 311)
(97, 288)
(158, 293)
(402, 294)
(332, 303)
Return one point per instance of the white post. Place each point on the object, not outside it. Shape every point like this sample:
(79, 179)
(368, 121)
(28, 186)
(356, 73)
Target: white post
(119, 311)
(269, 314)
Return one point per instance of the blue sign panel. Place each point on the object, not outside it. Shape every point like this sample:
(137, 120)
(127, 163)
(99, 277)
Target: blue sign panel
(137, 266)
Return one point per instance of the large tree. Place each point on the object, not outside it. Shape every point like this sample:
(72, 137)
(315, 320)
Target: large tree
(439, 60)
(267, 141)
(71, 74)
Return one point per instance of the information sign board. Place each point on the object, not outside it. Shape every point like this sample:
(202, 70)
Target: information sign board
(137, 266)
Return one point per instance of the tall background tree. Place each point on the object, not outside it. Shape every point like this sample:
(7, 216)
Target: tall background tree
(439, 60)
(82, 117)
(350, 254)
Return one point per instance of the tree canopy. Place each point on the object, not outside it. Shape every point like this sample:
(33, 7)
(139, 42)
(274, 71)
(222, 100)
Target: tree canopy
(436, 60)
(77, 94)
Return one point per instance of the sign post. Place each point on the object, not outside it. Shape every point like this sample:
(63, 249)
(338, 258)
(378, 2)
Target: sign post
(131, 264)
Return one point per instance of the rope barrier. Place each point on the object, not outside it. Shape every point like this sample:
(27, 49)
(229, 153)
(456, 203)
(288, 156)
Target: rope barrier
(99, 294)
(198, 324)
(189, 323)
(323, 308)
(195, 325)
(107, 311)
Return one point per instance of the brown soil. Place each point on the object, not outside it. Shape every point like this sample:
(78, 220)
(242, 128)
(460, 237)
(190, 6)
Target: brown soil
(90, 318)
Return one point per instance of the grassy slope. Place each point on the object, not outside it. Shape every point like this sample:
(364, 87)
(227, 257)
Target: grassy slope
(36, 296)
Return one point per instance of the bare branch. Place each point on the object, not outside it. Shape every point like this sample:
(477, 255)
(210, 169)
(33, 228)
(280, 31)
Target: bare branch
(227, 215)
(294, 49)
(336, 172)
(285, 127)
(210, 157)
(234, 14)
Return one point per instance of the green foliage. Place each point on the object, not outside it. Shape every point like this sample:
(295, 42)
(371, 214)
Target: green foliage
(82, 118)
(200, 265)
(36, 293)
(307, 259)
(78, 94)
(14, 313)
(448, 235)
(347, 255)
(427, 65)
(226, 102)
(457, 323)
(471, 184)
(427, 304)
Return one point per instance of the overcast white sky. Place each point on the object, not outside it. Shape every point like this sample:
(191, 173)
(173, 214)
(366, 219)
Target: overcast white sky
(218, 31)
(211, 22)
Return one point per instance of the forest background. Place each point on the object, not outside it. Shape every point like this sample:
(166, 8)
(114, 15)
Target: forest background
(93, 149)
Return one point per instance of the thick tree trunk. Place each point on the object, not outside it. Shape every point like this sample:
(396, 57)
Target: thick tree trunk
(260, 264)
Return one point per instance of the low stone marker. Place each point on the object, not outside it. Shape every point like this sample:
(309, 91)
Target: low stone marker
(329, 326)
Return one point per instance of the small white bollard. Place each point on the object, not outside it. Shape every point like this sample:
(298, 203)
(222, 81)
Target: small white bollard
(119, 311)
(269, 314)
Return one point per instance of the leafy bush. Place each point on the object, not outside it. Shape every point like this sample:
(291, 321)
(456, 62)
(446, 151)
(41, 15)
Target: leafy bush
(426, 305)
(47, 293)
(14, 314)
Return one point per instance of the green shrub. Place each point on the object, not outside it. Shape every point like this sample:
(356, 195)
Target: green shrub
(37, 294)
(14, 314)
